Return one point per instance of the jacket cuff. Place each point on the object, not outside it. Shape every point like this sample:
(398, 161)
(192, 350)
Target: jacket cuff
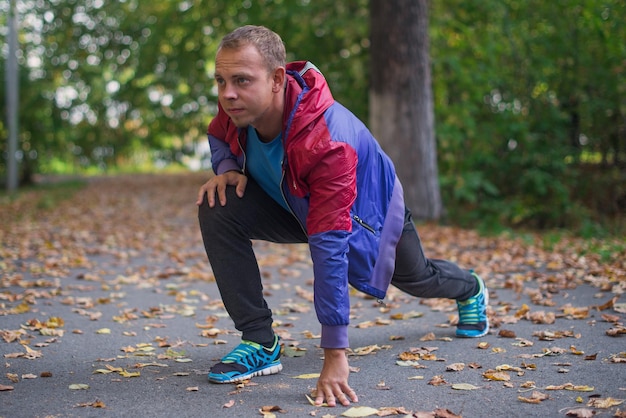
(334, 336)
(227, 164)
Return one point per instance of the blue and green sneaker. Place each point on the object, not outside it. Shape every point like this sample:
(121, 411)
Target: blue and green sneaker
(247, 360)
(473, 321)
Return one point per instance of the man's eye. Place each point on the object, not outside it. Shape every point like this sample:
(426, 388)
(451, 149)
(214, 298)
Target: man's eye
(242, 80)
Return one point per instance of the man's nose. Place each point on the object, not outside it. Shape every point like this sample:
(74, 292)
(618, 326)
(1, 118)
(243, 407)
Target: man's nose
(229, 91)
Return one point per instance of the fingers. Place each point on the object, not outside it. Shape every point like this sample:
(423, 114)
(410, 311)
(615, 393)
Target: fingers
(207, 188)
(241, 185)
(201, 193)
(216, 186)
(332, 395)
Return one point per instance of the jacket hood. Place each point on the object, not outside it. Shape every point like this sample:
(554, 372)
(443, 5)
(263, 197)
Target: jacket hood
(307, 96)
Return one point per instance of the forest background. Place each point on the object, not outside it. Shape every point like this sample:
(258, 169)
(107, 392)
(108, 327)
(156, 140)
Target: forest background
(530, 115)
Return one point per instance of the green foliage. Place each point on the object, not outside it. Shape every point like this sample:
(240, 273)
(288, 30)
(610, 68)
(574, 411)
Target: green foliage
(529, 106)
(523, 91)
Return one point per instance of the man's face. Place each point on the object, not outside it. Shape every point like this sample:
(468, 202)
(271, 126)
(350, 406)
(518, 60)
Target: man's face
(244, 85)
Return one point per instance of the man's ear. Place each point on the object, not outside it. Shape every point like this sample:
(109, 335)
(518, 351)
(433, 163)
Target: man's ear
(279, 80)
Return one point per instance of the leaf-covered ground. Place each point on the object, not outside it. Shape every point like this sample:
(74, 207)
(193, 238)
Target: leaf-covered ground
(107, 302)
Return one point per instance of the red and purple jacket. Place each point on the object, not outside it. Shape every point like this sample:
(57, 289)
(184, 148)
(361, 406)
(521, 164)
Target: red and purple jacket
(339, 184)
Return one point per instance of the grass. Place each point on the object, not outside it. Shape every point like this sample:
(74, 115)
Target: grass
(46, 195)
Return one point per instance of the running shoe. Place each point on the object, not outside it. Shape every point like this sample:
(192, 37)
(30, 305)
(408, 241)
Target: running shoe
(473, 321)
(247, 360)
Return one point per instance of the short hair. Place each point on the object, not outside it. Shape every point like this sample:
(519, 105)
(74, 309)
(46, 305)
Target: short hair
(268, 43)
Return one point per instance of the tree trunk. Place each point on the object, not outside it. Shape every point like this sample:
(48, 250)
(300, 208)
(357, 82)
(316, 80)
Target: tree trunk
(401, 99)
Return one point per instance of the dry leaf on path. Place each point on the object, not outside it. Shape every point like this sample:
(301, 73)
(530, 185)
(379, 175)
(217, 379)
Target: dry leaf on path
(604, 403)
(580, 413)
(536, 397)
(464, 386)
(360, 411)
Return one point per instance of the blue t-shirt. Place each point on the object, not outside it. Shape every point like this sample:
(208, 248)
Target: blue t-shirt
(264, 163)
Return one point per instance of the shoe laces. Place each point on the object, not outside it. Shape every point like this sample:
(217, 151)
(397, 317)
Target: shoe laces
(472, 310)
(249, 353)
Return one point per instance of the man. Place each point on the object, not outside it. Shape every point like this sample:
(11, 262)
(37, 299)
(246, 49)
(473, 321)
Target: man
(293, 166)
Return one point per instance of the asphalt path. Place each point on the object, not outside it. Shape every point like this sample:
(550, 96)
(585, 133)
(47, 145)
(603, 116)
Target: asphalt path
(134, 333)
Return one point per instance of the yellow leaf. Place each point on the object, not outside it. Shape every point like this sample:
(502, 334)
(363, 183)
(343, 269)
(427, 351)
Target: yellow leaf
(103, 331)
(102, 371)
(21, 308)
(125, 373)
(360, 411)
(580, 388)
(464, 386)
(498, 376)
(312, 402)
(32, 354)
(54, 322)
(307, 376)
(79, 386)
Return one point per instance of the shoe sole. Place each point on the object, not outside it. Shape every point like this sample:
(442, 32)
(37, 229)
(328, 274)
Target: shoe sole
(273, 369)
(483, 333)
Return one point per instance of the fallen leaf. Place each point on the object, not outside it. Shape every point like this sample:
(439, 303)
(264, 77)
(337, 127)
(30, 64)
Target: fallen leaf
(94, 404)
(464, 386)
(445, 413)
(437, 381)
(392, 411)
(604, 403)
(497, 376)
(359, 411)
(429, 337)
(312, 402)
(128, 374)
(570, 386)
(505, 333)
(79, 386)
(535, 398)
(307, 376)
(580, 413)
(455, 367)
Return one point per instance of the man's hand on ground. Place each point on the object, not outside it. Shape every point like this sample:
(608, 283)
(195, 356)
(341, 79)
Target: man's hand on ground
(332, 385)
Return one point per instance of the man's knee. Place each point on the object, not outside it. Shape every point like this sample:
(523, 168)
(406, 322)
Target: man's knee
(217, 214)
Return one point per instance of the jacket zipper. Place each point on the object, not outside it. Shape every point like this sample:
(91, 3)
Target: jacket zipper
(243, 169)
(363, 223)
(282, 192)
